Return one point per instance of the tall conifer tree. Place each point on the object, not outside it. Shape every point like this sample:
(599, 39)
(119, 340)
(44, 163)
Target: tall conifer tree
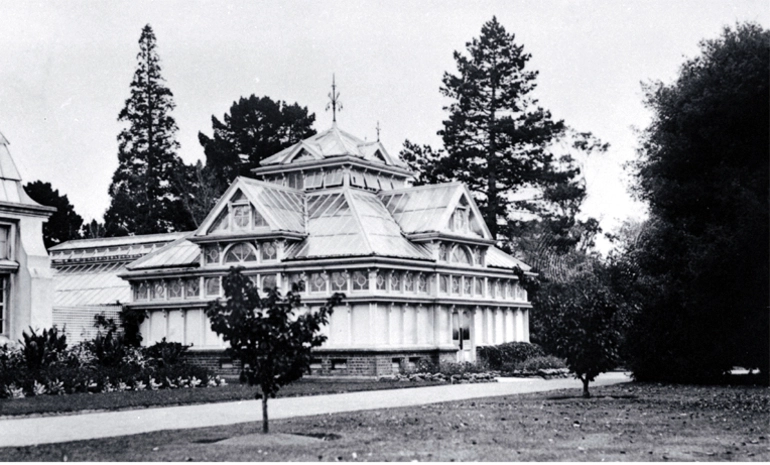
(144, 198)
(501, 144)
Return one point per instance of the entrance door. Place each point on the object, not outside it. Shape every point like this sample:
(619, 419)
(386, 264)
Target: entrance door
(461, 336)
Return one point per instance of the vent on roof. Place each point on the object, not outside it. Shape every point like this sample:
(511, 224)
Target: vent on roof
(303, 155)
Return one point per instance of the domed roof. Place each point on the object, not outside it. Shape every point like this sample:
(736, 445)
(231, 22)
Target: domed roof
(333, 142)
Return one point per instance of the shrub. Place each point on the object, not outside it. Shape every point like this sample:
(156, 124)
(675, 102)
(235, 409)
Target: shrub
(509, 353)
(450, 369)
(165, 354)
(42, 349)
(546, 362)
(108, 349)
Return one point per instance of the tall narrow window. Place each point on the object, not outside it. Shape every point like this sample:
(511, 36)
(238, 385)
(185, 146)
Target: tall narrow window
(339, 281)
(192, 288)
(408, 282)
(381, 282)
(444, 283)
(455, 284)
(422, 284)
(175, 289)
(395, 281)
(4, 242)
(3, 299)
(467, 285)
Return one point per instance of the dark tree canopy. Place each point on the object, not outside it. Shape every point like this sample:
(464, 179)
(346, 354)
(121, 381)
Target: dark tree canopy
(64, 224)
(270, 335)
(145, 199)
(500, 142)
(703, 169)
(255, 127)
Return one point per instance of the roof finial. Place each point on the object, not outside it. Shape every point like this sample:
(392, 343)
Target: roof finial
(334, 103)
(377, 128)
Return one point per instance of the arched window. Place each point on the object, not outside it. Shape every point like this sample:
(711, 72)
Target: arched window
(461, 255)
(240, 253)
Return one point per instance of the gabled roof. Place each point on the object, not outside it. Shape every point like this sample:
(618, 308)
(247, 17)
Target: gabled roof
(349, 222)
(180, 253)
(333, 142)
(425, 209)
(282, 207)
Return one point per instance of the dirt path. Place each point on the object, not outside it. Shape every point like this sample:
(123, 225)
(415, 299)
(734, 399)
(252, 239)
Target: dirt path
(44, 430)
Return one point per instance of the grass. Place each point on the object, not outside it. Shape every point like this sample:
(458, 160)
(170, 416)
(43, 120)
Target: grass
(628, 422)
(166, 397)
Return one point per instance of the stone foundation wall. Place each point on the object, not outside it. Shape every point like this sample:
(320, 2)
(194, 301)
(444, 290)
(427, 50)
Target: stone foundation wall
(335, 363)
(215, 361)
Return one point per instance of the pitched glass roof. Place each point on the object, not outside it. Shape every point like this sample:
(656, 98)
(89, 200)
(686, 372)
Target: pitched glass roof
(90, 285)
(496, 258)
(179, 253)
(420, 209)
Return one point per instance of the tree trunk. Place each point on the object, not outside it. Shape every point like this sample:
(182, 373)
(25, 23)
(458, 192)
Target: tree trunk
(586, 394)
(264, 414)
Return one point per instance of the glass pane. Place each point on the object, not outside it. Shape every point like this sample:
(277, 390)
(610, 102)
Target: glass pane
(192, 288)
(339, 281)
(381, 284)
(269, 282)
(360, 280)
(240, 253)
(317, 282)
(409, 282)
(467, 285)
(240, 216)
(175, 289)
(422, 284)
(212, 255)
(221, 223)
(268, 251)
(395, 281)
(455, 284)
(212, 286)
(444, 280)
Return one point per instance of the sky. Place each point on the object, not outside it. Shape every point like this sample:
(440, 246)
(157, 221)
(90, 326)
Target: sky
(65, 69)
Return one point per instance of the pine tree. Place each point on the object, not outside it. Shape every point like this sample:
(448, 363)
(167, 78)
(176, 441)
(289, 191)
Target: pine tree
(145, 199)
(501, 144)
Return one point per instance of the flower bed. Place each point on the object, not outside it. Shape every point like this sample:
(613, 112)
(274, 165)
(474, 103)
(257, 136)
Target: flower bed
(44, 365)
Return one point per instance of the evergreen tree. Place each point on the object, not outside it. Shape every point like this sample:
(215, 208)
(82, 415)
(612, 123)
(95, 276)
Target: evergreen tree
(500, 143)
(64, 225)
(703, 261)
(255, 128)
(145, 199)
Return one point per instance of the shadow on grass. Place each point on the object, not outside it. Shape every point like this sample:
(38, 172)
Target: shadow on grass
(580, 397)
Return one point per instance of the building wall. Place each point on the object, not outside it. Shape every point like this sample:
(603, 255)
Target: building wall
(78, 322)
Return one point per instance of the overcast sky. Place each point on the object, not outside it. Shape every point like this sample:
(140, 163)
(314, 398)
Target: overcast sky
(65, 69)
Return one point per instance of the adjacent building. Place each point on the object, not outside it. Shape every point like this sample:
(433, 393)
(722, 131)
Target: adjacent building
(25, 269)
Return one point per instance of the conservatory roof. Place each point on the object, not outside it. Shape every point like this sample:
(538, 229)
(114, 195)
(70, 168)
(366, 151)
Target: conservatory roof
(333, 142)
(90, 285)
(180, 253)
(11, 190)
(350, 222)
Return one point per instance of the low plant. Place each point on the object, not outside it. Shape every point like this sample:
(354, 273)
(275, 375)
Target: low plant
(42, 349)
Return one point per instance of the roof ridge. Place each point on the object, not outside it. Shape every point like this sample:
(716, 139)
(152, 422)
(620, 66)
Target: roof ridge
(423, 187)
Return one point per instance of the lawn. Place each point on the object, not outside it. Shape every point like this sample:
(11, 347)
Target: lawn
(231, 392)
(628, 422)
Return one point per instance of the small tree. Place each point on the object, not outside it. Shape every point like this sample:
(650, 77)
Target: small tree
(581, 322)
(270, 339)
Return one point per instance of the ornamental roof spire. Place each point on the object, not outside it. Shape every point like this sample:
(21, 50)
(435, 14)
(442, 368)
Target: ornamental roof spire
(334, 101)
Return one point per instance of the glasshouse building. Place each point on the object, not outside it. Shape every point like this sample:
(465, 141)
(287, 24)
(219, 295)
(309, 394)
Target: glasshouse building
(420, 271)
